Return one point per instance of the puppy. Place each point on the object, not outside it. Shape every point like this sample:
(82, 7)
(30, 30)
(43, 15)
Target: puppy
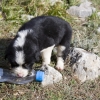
(38, 37)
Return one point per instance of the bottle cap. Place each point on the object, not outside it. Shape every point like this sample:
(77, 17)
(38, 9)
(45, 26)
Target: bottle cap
(39, 76)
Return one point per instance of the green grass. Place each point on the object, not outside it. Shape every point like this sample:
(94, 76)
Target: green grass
(84, 36)
(32, 7)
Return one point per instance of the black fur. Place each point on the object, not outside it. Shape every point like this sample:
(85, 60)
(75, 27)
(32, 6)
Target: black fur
(46, 31)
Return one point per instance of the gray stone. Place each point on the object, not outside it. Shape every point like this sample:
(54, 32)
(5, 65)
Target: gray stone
(85, 65)
(84, 10)
(51, 77)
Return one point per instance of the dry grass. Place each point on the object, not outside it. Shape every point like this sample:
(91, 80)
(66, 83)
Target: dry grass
(84, 35)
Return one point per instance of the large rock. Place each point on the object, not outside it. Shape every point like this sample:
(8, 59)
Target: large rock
(85, 65)
(84, 10)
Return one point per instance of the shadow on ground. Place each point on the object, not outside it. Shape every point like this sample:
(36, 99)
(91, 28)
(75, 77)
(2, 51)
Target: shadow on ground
(3, 45)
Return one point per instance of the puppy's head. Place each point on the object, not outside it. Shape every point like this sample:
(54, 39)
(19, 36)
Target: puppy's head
(21, 64)
(22, 53)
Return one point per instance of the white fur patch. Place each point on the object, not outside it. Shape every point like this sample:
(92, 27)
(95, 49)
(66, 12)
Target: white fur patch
(60, 49)
(21, 39)
(21, 72)
(46, 55)
(60, 63)
(19, 57)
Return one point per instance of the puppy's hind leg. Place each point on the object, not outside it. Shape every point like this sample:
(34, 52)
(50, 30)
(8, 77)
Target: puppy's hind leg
(60, 60)
(63, 48)
(46, 55)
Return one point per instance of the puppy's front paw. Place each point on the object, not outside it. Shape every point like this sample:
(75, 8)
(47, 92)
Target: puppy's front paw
(60, 66)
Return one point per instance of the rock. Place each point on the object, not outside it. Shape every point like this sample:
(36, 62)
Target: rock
(98, 30)
(51, 77)
(26, 17)
(98, 14)
(84, 10)
(85, 65)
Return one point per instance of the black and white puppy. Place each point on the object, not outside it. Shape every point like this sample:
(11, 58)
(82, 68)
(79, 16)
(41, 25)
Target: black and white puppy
(38, 37)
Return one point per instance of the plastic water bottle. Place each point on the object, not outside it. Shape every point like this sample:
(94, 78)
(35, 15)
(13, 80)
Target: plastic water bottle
(7, 76)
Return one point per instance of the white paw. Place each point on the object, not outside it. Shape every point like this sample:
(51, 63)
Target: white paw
(60, 64)
(59, 67)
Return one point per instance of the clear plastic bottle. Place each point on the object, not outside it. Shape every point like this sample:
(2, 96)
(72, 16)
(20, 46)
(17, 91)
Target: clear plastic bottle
(7, 76)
